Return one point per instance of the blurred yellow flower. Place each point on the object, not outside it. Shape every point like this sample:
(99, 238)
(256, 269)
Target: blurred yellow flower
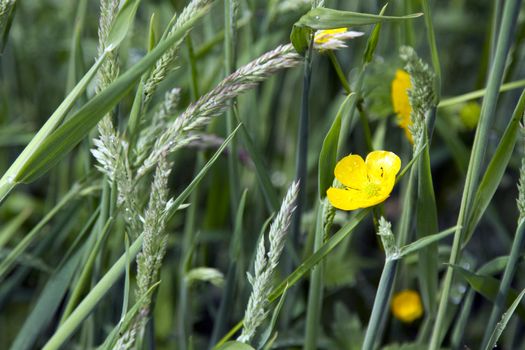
(400, 85)
(469, 114)
(366, 182)
(406, 306)
(333, 39)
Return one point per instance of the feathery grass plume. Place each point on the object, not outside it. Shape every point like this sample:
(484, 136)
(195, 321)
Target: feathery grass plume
(521, 183)
(165, 63)
(157, 124)
(107, 145)
(421, 95)
(387, 238)
(215, 102)
(6, 6)
(265, 264)
(149, 260)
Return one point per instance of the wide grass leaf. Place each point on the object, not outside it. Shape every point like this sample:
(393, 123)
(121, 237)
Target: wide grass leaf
(488, 287)
(325, 18)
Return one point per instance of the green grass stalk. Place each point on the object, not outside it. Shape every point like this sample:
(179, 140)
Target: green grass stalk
(380, 303)
(474, 169)
(315, 292)
(504, 287)
(229, 66)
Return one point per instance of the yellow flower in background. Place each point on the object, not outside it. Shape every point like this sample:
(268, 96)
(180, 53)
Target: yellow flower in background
(400, 85)
(469, 114)
(406, 306)
(333, 39)
(366, 182)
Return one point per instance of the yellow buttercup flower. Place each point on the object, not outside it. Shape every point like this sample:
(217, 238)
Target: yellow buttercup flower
(366, 182)
(333, 39)
(406, 306)
(400, 85)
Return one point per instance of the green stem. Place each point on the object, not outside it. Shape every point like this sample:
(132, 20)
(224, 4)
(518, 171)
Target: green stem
(87, 305)
(380, 303)
(508, 275)
(478, 150)
(302, 148)
(315, 294)
(431, 38)
(479, 93)
(339, 71)
(229, 63)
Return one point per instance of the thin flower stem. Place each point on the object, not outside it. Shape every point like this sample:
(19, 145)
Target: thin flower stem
(339, 70)
(380, 303)
(478, 150)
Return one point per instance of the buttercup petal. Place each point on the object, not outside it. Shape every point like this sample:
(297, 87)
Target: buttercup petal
(345, 199)
(351, 172)
(382, 165)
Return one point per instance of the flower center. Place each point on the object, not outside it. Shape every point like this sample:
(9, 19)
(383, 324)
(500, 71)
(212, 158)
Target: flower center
(371, 189)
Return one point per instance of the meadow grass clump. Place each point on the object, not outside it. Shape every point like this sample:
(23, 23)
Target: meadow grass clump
(261, 175)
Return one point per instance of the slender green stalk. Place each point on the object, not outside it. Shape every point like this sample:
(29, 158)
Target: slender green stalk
(6, 264)
(380, 303)
(339, 71)
(479, 93)
(474, 170)
(504, 287)
(431, 38)
(96, 294)
(229, 66)
(315, 293)
(302, 148)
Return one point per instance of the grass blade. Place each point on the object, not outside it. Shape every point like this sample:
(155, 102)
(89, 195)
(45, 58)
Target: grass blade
(495, 170)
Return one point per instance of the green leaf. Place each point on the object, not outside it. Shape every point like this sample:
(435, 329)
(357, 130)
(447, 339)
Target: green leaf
(319, 255)
(500, 327)
(300, 38)
(495, 170)
(47, 304)
(7, 264)
(425, 241)
(488, 287)
(68, 135)
(326, 18)
(235, 345)
(427, 224)
(197, 179)
(265, 336)
(125, 322)
(5, 23)
(261, 170)
(328, 155)
(7, 182)
(122, 23)
(371, 44)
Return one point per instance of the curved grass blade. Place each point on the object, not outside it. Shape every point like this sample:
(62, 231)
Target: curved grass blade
(495, 170)
(326, 18)
(488, 287)
(500, 327)
(67, 136)
(328, 155)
